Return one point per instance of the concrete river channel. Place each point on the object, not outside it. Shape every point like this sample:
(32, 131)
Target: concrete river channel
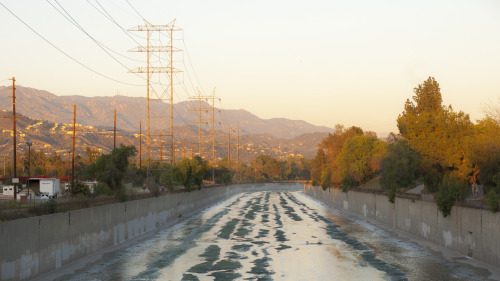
(276, 235)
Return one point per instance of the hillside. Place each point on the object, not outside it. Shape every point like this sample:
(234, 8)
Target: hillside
(54, 137)
(98, 112)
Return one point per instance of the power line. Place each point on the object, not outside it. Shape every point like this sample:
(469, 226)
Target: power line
(73, 21)
(135, 10)
(102, 46)
(110, 18)
(66, 54)
(192, 67)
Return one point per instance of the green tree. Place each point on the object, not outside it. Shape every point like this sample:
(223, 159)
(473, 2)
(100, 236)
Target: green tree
(326, 180)
(183, 173)
(484, 151)
(451, 189)
(360, 157)
(266, 167)
(398, 168)
(199, 169)
(111, 168)
(333, 145)
(438, 133)
(317, 167)
(191, 172)
(167, 179)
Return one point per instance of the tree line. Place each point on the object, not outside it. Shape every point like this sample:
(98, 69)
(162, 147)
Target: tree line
(436, 145)
(120, 166)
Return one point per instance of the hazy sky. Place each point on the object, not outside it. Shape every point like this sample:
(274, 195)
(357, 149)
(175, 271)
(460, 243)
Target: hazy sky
(325, 62)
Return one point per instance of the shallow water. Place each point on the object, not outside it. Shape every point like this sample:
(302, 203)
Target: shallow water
(274, 236)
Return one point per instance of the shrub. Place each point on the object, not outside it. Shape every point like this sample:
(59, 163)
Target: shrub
(392, 192)
(167, 179)
(52, 206)
(122, 194)
(80, 188)
(226, 178)
(348, 182)
(152, 187)
(102, 189)
(326, 180)
(450, 189)
(492, 200)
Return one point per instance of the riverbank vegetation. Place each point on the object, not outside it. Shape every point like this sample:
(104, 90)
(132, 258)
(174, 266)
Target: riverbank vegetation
(436, 145)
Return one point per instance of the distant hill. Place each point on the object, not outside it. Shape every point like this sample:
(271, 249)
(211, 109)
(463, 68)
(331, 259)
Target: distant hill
(98, 112)
(54, 137)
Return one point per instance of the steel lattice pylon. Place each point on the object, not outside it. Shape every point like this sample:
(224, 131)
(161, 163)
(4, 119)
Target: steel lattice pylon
(166, 94)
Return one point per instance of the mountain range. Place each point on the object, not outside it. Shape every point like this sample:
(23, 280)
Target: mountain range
(98, 112)
(47, 122)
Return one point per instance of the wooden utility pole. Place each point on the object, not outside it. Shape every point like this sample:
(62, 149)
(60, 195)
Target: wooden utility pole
(73, 157)
(14, 131)
(238, 149)
(229, 149)
(114, 132)
(173, 154)
(183, 150)
(192, 151)
(161, 150)
(4, 166)
(140, 144)
(69, 165)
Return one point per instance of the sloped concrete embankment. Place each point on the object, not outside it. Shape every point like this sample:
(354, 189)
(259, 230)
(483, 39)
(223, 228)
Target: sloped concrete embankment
(32, 246)
(469, 231)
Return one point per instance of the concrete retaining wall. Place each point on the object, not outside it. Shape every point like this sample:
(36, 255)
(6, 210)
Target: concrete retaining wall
(466, 230)
(32, 246)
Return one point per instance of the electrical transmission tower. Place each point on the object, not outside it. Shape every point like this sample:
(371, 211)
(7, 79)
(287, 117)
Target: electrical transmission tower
(156, 91)
(206, 120)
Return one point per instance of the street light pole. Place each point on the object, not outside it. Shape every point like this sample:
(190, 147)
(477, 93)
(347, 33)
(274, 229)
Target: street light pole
(28, 143)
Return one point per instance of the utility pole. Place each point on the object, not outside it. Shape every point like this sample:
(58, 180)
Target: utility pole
(28, 143)
(173, 156)
(183, 150)
(14, 117)
(114, 131)
(213, 136)
(152, 93)
(229, 149)
(69, 165)
(140, 144)
(200, 109)
(192, 151)
(161, 151)
(238, 149)
(73, 158)
(201, 119)
(4, 166)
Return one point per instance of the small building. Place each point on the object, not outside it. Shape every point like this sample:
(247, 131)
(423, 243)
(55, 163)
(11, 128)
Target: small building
(8, 191)
(90, 185)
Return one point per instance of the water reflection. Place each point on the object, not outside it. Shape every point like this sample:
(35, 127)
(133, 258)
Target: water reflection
(273, 236)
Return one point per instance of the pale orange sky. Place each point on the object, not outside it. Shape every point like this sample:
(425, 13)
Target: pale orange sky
(325, 62)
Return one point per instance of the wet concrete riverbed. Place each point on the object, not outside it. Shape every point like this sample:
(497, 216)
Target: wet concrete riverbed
(274, 236)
